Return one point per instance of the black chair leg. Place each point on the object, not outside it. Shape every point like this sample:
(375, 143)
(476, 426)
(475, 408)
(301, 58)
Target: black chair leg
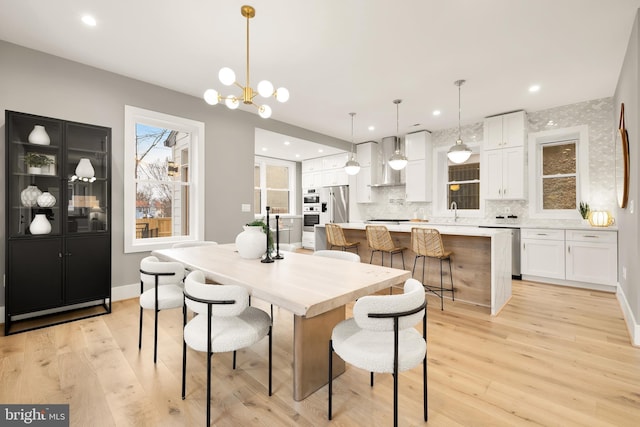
(270, 353)
(140, 331)
(234, 359)
(184, 352)
(395, 397)
(441, 289)
(209, 389)
(371, 381)
(155, 339)
(330, 377)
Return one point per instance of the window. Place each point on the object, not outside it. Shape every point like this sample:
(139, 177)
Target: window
(559, 170)
(459, 183)
(463, 186)
(274, 186)
(164, 180)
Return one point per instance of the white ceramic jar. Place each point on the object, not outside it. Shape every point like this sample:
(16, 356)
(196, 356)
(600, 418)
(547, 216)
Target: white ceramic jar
(40, 225)
(39, 136)
(46, 200)
(29, 196)
(252, 242)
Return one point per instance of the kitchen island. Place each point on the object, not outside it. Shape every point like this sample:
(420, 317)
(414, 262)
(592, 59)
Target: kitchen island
(481, 259)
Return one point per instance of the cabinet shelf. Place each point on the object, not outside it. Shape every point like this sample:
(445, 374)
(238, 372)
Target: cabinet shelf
(28, 144)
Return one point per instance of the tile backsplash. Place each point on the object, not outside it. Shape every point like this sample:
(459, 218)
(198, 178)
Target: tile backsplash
(598, 115)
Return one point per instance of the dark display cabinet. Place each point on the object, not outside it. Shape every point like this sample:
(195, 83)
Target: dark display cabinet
(58, 221)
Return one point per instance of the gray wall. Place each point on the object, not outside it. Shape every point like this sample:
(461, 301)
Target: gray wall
(628, 91)
(38, 83)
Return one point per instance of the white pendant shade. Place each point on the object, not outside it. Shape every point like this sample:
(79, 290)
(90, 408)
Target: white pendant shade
(282, 94)
(397, 161)
(264, 111)
(227, 76)
(265, 88)
(211, 96)
(352, 167)
(459, 153)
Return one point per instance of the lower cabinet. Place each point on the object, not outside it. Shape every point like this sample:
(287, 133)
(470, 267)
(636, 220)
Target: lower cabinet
(542, 253)
(87, 269)
(572, 256)
(592, 256)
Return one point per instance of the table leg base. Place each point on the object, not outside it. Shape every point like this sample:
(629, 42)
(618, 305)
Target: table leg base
(310, 361)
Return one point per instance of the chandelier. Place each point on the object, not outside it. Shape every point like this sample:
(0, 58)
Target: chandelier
(352, 167)
(398, 160)
(459, 152)
(228, 77)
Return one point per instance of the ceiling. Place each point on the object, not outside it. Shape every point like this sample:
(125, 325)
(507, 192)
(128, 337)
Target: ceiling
(341, 56)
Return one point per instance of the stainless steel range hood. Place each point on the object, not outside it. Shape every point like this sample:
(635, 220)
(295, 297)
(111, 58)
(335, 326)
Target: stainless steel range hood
(389, 177)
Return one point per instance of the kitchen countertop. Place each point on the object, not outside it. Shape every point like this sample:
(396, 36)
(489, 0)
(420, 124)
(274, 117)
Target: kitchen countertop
(506, 223)
(405, 227)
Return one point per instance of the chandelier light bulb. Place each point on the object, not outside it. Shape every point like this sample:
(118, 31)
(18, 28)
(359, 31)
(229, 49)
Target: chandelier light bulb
(211, 96)
(232, 102)
(227, 76)
(265, 88)
(264, 111)
(282, 94)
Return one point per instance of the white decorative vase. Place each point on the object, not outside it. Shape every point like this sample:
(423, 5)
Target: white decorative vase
(39, 136)
(34, 170)
(40, 225)
(29, 196)
(46, 200)
(252, 242)
(84, 170)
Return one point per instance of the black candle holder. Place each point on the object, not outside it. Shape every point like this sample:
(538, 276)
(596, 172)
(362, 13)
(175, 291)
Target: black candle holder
(278, 256)
(267, 259)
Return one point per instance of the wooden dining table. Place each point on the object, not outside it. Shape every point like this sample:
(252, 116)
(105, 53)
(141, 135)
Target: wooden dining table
(315, 289)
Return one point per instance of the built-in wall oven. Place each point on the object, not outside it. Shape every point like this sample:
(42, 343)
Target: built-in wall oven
(311, 208)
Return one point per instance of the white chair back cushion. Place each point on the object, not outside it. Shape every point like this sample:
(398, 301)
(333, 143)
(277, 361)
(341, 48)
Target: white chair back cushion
(152, 264)
(344, 255)
(412, 297)
(195, 286)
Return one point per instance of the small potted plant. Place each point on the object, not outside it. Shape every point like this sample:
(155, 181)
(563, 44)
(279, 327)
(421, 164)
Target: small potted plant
(265, 229)
(584, 211)
(36, 161)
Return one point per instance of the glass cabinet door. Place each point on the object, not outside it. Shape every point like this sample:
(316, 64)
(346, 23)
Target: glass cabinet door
(34, 174)
(87, 177)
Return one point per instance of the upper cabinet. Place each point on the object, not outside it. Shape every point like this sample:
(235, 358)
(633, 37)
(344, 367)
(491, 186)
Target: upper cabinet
(367, 156)
(504, 131)
(325, 171)
(312, 165)
(336, 161)
(418, 175)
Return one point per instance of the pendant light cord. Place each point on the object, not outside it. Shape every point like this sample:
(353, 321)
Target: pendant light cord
(459, 109)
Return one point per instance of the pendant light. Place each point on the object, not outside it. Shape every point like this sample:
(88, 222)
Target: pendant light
(352, 167)
(460, 152)
(397, 161)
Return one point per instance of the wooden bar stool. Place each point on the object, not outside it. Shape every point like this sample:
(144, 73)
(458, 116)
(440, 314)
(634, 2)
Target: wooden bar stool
(335, 237)
(379, 240)
(427, 243)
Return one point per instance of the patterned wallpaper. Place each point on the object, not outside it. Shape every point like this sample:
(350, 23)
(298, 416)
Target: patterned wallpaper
(597, 114)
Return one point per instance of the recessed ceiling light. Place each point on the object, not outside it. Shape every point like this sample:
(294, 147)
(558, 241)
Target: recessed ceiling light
(436, 112)
(89, 20)
(372, 128)
(297, 155)
(264, 148)
(287, 143)
(534, 88)
(320, 150)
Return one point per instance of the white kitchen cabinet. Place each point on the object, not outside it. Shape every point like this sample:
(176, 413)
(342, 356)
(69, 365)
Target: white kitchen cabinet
(363, 185)
(334, 177)
(418, 176)
(542, 253)
(367, 154)
(504, 173)
(312, 165)
(311, 180)
(592, 256)
(336, 161)
(505, 131)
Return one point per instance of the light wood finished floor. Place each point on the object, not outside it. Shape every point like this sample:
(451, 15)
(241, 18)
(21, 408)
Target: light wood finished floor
(554, 356)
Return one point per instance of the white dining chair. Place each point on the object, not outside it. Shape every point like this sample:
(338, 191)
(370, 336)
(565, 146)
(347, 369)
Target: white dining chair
(160, 289)
(224, 322)
(344, 255)
(381, 338)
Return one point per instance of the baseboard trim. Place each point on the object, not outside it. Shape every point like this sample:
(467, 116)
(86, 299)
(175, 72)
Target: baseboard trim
(632, 323)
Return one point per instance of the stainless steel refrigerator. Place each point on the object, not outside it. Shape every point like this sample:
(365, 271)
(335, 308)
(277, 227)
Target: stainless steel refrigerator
(334, 204)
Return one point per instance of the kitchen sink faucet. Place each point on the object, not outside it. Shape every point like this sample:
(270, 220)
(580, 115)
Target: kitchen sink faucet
(454, 207)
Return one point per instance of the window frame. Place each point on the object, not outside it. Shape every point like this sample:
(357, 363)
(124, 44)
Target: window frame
(537, 140)
(292, 166)
(196, 179)
(441, 184)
